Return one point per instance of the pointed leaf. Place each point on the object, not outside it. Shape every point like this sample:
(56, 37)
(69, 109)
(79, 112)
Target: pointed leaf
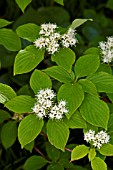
(92, 154)
(106, 149)
(23, 4)
(65, 57)
(97, 164)
(57, 133)
(4, 23)
(59, 2)
(29, 128)
(4, 115)
(27, 59)
(40, 80)
(21, 104)
(77, 22)
(28, 31)
(79, 152)
(95, 111)
(60, 74)
(73, 94)
(29, 146)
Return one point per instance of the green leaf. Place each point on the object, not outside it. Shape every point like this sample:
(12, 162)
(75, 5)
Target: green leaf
(23, 4)
(35, 162)
(73, 94)
(103, 82)
(8, 134)
(98, 164)
(88, 86)
(65, 57)
(4, 23)
(27, 59)
(75, 121)
(6, 93)
(79, 152)
(60, 74)
(29, 128)
(57, 133)
(52, 152)
(92, 154)
(4, 115)
(29, 146)
(39, 80)
(92, 50)
(105, 68)
(28, 31)
(110, 123)
(109, 4)
(9, 39)
(77, 22)
(55, 166)
(59, 2)
(106, 149)
(95, 111)
(86, 65)
(21, 104)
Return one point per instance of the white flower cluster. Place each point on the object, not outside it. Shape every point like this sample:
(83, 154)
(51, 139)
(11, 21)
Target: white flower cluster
(97, 139)
(51, 40)
(45, 105)
(107, 50)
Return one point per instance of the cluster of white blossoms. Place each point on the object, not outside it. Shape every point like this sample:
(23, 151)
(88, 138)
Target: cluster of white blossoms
(98, 139)
(51, 40)
(46, 106)
(107, 50)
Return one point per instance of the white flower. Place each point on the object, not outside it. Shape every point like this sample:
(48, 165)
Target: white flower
(89, 136)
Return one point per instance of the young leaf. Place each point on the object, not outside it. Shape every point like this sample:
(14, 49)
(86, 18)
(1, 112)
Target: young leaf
(103, 81)
(6, 93)
(79, 152)
(92, 154)
(34, 163)
(9, 39)
(27, 59)
(52, 152)
(59, 2)
(29, 128)
(73, 94)
(97, 164)
(106, 149)
(28, 31)
(23, 4)
(39, 80)
(58, 133)
(60, 74)
(76, 121)
(4, 115)
(95, 111)
(77, 22)
(86, 65)
(65, 57)
(21, 104)
(8, 134)
(4, 23)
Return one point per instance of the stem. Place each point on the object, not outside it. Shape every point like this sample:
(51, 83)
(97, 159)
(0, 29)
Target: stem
(37, 150)
(67, 149)
(44, 134)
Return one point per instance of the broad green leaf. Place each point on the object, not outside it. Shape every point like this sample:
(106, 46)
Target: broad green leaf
(65, 57)
(52, 152)
(92, 154)
(110, 96)
(21, 104)
(8, 134)
(95, 111)
(23, 4)
(9, 39)
(77, 22)
(28, 31)
(110, 123)
(6, 93)
(75, 121)
(73, 94)
(35, 162)
(40, 80)
(29, 128)
(105, 68)
(27, 59)
(4, 115)
(59, 2)
(79, 152)
(86, 65)
(88, 86)
(57, 133)
(92, 50)
(55, 166)
(29, 146)
(4, 23)
(103, 81)
(98, 164)
(60, 74)
(106, 149)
